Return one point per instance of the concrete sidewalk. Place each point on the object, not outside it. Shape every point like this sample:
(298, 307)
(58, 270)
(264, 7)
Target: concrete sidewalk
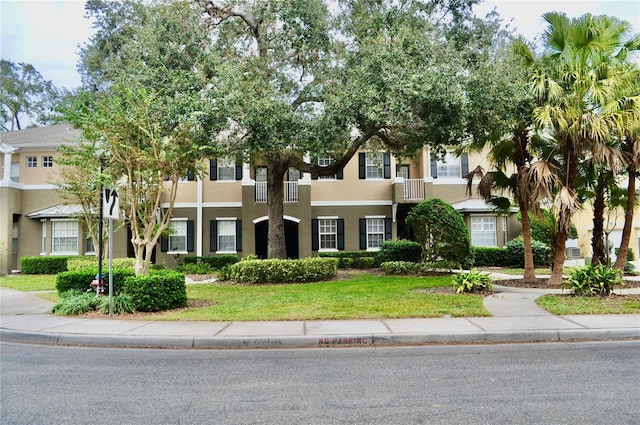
(516, 318)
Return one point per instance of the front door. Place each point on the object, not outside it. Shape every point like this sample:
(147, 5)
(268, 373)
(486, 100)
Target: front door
(290, 238)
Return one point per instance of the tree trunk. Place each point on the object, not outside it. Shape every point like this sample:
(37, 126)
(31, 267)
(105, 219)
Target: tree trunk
(276, 244)
(529, 265)
(597, 238)
(621, 260)
(139, 267)
(558, 261)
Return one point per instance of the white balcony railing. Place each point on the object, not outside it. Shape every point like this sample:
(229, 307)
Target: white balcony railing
(290, 192)
(413, 189)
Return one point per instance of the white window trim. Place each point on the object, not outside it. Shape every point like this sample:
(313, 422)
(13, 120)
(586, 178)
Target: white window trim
(180, 219)
(235, 251)
(332, 217)
(495, 230)
(43, 238)
(380, 165)
(76, 252)
(28, 165)
(367, 233)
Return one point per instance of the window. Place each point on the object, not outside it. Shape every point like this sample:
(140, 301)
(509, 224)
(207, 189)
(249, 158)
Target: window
(47, 161)
(43, 247)
(328, 233)
(14, 238)
(226, 235)
(32, 161)
(89, 247)
(226, 169)
(325, 162)
(449, 166)
(483, 231)
(402, 170)
(374, 165)
(504, 230)
(64, 234)
(178, 236)
(375, 232)
(15, 172)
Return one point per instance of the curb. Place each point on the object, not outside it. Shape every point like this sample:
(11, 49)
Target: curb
(315, 341)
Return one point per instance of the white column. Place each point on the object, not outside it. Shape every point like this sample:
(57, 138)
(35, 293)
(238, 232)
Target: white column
(200, 191)
(7, 151)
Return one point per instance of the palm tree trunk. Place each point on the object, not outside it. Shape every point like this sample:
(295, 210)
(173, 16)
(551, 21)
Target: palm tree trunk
(276, 244)
(628, 218)
(597, 237)
(558, 261)
(529, 266)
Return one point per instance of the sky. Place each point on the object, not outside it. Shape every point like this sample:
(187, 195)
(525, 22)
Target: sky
(47, 33)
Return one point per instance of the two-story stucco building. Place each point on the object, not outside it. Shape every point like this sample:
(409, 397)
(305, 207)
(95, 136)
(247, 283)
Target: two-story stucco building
(226, 210)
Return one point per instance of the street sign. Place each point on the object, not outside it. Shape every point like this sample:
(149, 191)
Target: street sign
(110, 204)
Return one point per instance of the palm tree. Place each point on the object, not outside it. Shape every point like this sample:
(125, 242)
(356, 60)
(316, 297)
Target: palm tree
(572, 81)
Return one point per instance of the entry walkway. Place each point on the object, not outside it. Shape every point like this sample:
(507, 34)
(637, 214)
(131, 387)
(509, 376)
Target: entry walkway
(515, 318)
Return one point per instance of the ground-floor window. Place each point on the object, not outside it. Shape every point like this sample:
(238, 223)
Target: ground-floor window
(483, 231)
(328, 233)
(178, 236)
(43, 247)
(375, 232)
(64, 235)
(226, 235)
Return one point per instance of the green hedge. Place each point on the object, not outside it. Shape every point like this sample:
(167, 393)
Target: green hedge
(515, 253)
(80, 280)
(487, 256)
(43, 265)
(215, 262)
(162, 290)
(349, 259)
(83, 263)
(282, 271)
(399, 250)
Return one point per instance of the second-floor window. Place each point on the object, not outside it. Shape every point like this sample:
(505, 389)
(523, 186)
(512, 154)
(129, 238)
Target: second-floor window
(374, 165)
(450, 166)
(224, 169)
(47, 161)
(325, 162)
(32, 161)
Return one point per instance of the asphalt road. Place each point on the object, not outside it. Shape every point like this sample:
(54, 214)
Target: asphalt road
(555, 383)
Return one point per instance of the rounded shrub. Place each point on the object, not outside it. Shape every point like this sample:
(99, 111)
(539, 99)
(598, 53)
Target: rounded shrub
(43, 265)
(398, 267)
(515, 253)
(594, 280)
(81, 279)
(283, 271)
(441, 231)
(162, 290)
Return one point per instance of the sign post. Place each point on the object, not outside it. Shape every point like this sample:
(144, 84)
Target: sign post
(111, 210)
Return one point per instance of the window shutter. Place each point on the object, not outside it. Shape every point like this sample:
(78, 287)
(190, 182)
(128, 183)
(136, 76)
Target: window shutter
(340, 174)
(464, 162)
(213, 235)
(386, 161)
(341, 234)
(164, 244)
(315, 239)
(434, 167)
(387, 229)
(190, 233)
(213, 169)
(363, 233)
(238, 171)
(238, 235)
(362, 166)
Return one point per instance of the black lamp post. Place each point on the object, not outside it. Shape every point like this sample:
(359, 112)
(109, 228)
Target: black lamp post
(100, 227)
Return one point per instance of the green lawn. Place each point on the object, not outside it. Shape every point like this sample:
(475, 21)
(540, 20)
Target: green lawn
(568, 304)
(363, 296)
(29, 282)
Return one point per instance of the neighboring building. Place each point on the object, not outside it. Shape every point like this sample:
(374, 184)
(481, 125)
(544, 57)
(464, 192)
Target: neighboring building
(226, 211)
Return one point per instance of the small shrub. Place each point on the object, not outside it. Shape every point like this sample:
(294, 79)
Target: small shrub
(81, 279)
(43, 265)
(156, 292)
(345, 256)
(437, 266)
(215, 262)
(121, 304)
(515, 253)
(629, 268)
(84, 263)
(473, 281)
(594, 280)
(74, 302)
(399, 250)
(194, 268)
(399, 267)
(283, 271)
(345, 263)
(365, 262)
(490, 256)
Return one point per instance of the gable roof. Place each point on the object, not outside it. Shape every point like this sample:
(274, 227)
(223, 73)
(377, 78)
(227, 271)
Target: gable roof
(51, 136)
(57, 211)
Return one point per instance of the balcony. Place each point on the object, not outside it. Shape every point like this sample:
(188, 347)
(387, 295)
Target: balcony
(413, 189)
(291, 193)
